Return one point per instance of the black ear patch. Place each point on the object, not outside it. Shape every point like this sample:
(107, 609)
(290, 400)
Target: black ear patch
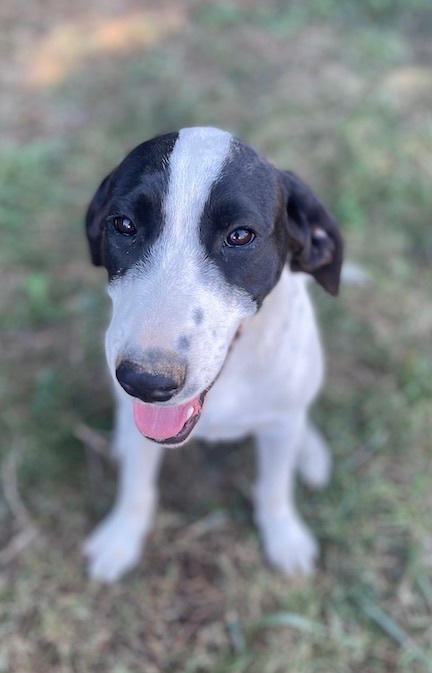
(93, 220)
(315, 241)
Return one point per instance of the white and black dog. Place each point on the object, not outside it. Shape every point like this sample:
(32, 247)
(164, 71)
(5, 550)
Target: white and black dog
(212, 331)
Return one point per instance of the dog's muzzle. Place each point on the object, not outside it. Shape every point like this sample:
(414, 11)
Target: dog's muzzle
(157, 377)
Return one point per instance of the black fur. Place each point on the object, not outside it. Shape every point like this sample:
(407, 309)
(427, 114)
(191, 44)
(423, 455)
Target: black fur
(247, 196)
(289, 221)
(315, 241)
(136, 189)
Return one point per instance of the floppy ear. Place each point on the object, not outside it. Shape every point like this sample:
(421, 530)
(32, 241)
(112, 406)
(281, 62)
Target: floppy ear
(94, 220)
(316, 243)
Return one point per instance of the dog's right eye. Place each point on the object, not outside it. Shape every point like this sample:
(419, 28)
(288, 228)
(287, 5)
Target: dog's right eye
(124, 226)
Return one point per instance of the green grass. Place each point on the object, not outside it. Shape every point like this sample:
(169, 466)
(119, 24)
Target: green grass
(340, 93)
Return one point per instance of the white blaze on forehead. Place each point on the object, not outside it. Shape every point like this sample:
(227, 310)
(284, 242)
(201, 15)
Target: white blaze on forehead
(195, 164)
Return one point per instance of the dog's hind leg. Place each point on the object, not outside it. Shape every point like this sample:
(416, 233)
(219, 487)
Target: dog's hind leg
(288, 544)
(314, 459)
(115, 547)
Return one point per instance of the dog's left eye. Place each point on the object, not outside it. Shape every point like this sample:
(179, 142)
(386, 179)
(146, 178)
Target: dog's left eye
(124, 226)
(239, 237)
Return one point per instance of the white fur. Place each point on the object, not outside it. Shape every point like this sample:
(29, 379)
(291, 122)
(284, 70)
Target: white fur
(267, 384)
(195, 164)
(250, 396)
(116, 545)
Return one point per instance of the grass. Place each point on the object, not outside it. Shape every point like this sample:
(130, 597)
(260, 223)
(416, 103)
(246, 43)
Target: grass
(341, 93)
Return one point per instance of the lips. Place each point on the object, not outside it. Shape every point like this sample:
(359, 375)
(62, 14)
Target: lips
(168, 425)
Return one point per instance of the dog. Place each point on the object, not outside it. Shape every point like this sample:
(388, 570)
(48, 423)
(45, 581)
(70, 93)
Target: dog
(213, 334)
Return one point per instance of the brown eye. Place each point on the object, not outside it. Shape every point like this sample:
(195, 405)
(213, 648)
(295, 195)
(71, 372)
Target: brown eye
(239, 237)
(124, 226)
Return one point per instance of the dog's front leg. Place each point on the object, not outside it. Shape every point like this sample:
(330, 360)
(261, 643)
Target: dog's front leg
(116, 545)
(288, 544)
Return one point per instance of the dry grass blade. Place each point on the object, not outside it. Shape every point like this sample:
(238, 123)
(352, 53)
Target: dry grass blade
(17, 545)
(91, 439)
(202, 526)
(393, 630)
(29, 532)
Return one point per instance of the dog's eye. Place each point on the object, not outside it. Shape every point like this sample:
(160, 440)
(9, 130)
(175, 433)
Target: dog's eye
(124, 226)
(239, 237)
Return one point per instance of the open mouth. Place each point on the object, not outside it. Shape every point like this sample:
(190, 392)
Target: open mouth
(172, 425)
(168, 425)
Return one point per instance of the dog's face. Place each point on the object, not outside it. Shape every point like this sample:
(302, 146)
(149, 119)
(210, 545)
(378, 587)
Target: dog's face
(194, 229)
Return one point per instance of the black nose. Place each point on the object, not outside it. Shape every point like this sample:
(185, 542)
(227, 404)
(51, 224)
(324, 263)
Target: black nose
(156, 377)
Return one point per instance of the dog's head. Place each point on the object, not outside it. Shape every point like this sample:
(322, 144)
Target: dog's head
(194, 229)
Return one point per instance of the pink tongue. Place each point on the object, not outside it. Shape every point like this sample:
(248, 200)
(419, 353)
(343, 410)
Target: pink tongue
(162, 422)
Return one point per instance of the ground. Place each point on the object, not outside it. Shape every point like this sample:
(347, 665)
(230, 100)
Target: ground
(339, 92)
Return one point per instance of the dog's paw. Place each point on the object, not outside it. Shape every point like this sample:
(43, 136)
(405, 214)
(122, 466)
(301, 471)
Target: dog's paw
(315, 462)
(288, 544)
(114, 547)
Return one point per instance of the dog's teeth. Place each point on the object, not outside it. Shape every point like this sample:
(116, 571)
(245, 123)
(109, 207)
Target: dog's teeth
(189, 413)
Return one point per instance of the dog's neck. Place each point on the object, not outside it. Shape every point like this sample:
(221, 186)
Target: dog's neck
(277, 310)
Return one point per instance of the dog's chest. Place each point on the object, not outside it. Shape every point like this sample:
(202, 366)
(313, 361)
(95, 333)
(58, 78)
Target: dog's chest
(231, 415)
(275, 365)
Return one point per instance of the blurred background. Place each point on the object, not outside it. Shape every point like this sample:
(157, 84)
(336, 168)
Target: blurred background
(340, 92)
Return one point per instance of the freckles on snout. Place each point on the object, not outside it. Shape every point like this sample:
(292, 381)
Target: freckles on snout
(183, 344)
(197, 316)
